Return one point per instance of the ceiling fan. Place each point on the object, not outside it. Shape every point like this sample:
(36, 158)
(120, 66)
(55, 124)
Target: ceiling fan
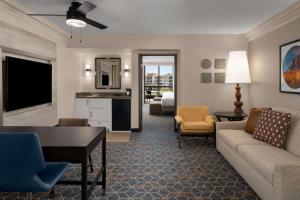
(76, 15)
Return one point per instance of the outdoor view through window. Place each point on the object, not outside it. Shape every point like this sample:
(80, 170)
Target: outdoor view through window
(158, 79)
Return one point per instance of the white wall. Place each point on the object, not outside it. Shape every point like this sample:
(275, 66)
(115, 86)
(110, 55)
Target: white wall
(191, 50)
(264, 62)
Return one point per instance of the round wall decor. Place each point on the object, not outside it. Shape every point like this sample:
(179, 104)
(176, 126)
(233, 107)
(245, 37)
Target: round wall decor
(205, 63)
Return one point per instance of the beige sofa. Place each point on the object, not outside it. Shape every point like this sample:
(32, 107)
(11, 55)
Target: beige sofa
(273, 173)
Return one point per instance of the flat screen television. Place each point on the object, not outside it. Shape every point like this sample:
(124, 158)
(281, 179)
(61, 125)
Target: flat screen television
(26, 83)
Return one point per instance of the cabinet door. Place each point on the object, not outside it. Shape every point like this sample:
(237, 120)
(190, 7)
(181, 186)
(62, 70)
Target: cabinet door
(121, 117)
(82, 108)
(100, 114)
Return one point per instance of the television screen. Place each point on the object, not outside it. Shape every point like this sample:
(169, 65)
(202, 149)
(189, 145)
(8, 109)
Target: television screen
(26, 83)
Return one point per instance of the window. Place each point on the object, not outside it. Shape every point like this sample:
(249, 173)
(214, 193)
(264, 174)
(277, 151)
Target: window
(158, 80)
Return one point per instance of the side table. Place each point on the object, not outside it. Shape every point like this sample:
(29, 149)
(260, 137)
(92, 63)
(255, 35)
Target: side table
(230, 116)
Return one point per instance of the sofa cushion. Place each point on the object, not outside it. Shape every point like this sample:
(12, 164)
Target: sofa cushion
(233, 138)
(253, 119)
(195, 126)
(272, 127)
(263, 158)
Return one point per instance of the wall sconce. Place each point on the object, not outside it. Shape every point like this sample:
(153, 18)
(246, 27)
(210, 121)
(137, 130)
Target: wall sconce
(88, 70)
(126, 70)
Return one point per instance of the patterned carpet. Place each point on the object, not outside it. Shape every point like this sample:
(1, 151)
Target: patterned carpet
(151, 166)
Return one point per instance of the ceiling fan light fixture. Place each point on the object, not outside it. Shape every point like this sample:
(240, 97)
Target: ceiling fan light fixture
(77, 23)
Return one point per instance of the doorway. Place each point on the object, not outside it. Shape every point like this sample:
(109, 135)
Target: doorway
(157, 85)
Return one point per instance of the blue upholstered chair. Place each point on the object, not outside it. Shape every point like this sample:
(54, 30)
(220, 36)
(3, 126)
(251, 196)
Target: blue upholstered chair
(22, 165)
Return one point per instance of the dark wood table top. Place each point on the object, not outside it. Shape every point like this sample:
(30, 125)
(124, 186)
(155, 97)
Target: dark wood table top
(74, 137)
(229, 114)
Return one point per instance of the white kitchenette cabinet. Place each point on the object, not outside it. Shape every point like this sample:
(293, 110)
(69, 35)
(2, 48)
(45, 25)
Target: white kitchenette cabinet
(82, 108)
(97, 110)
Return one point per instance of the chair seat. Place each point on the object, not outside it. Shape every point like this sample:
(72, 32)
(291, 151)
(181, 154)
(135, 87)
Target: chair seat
(199, 126)
(52, 173)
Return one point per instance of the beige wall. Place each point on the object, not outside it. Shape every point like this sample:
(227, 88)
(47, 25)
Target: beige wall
(87, 56)
(24, 35)
(191, 50)
(69, 78)
(264, 62)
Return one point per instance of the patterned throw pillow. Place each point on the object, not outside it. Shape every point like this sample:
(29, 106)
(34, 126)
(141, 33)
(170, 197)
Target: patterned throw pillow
(272, 127)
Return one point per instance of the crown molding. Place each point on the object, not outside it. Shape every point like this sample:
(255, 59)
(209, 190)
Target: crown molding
(287, 15)
(16, 13)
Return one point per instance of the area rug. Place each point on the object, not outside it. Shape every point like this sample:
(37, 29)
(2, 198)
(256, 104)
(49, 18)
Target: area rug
(119, 137)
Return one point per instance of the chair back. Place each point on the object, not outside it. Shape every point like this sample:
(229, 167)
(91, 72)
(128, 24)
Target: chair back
(192, 113)
(21, 158)
(73, 122)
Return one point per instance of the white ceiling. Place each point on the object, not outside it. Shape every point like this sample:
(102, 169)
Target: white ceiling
(168, 16)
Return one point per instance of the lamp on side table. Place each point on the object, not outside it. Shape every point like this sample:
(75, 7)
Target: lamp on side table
(238, 72)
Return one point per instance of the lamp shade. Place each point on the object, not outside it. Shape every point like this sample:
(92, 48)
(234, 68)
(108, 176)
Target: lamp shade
(238, 68)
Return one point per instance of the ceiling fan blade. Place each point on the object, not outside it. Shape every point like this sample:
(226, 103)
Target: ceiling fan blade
(94, 23)
(55, 15)
(86, 7)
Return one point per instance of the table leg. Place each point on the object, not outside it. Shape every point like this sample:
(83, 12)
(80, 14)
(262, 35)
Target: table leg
(104, 162)
(84, 179)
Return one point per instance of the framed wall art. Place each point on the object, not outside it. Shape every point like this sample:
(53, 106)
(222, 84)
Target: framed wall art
(206, 77)
(205, 63)
(290, 67)
(220, 63)
(219, 77)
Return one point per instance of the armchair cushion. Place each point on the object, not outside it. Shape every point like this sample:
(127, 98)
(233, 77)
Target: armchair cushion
(200, 126)
(192, 113)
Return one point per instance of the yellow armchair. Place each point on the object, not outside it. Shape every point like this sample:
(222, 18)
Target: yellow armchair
(194, 121)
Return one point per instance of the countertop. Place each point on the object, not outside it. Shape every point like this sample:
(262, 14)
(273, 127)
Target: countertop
(103, 95)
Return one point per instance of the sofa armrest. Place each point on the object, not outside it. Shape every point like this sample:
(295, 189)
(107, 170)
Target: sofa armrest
(237, 125)
(178, 119)
(286, 181)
